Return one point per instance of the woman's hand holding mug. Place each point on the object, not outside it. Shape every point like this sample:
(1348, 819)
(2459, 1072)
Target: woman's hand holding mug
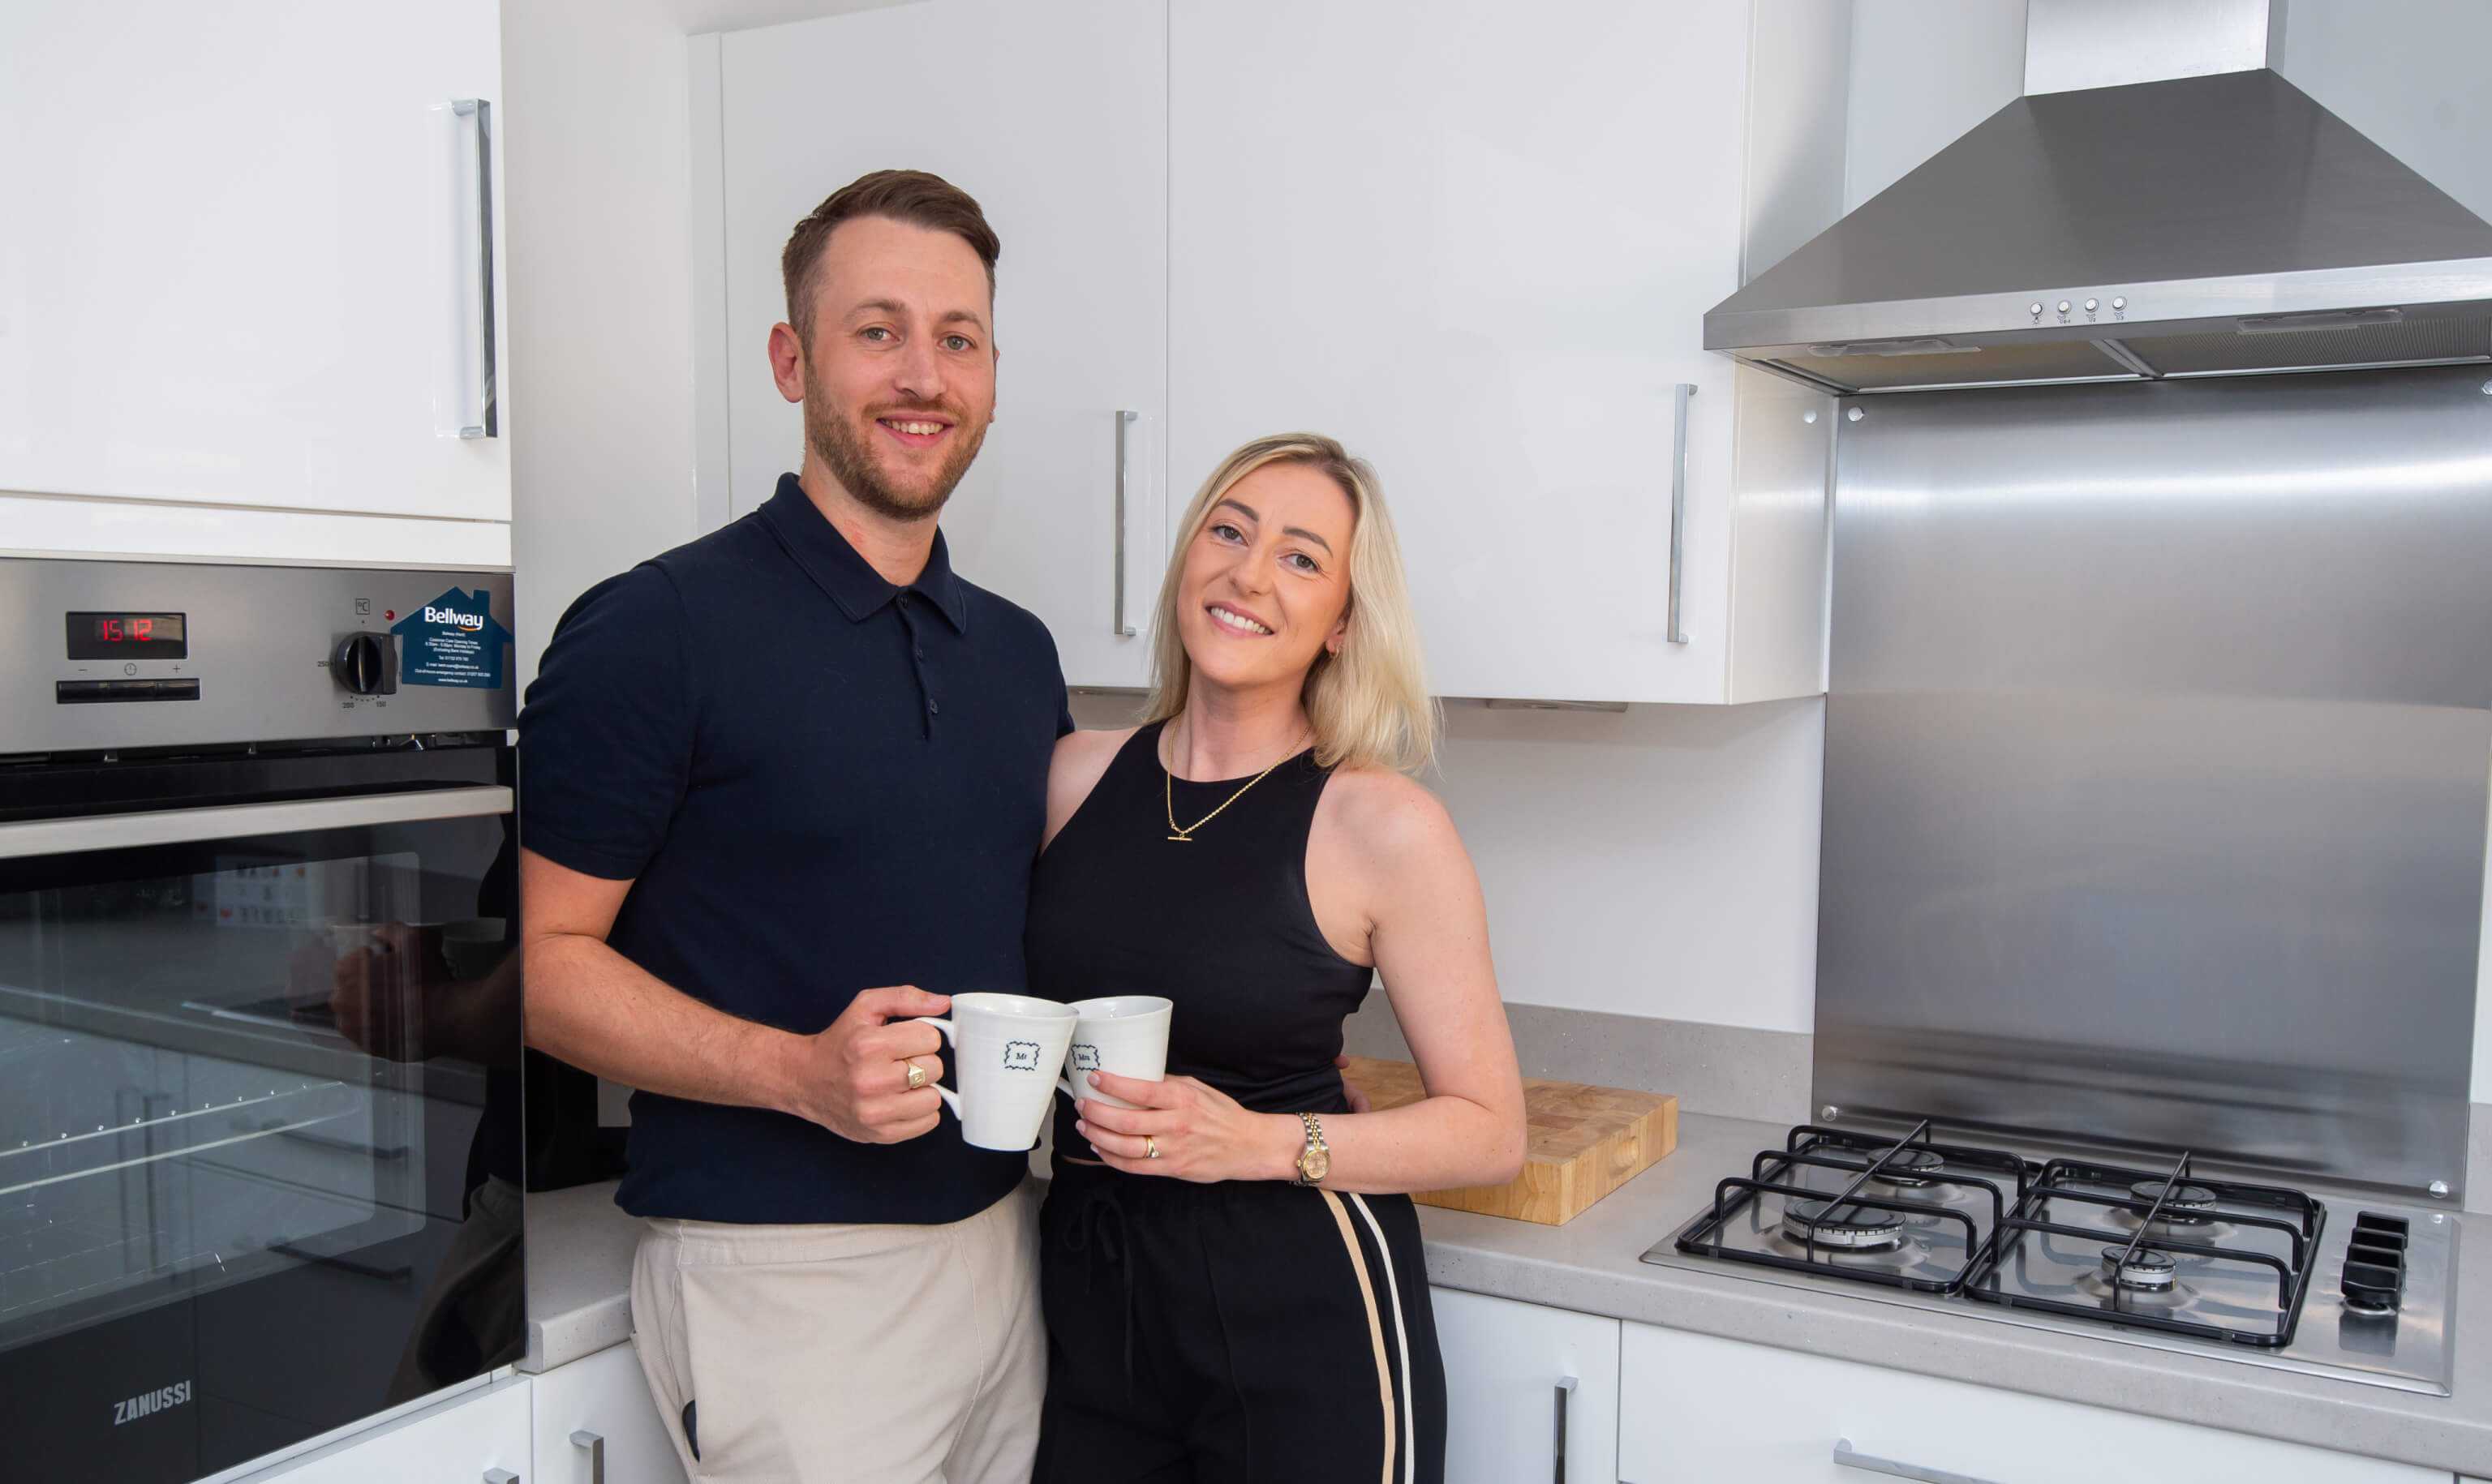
(1201, 1132)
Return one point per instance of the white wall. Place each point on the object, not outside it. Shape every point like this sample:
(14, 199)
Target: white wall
(597, 133)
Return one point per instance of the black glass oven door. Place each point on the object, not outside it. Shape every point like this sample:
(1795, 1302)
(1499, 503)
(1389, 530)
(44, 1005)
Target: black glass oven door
(258, 1144)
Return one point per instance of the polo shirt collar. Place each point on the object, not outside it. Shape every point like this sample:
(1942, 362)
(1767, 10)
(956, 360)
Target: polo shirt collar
(839, 571)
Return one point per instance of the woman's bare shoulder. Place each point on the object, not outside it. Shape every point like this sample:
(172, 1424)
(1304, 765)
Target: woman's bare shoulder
(1079, 761)
(1389, 817)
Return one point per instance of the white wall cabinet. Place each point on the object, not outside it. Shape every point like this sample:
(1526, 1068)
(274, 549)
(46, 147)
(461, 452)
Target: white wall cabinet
(1697, 1409)
(457, 1443)
(1055, 118)
(603, 1400)
(1476, 240)
(1516, 1374)
(246, 259)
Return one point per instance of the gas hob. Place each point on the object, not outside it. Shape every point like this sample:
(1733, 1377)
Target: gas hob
(2173, 1255)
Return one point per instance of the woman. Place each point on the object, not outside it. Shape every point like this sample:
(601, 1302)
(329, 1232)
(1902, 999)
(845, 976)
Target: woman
(1232, 1273)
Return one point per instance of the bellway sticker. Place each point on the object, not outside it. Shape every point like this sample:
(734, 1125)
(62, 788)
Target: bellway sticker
(453, 640)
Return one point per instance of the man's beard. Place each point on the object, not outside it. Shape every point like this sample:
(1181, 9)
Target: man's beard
(841, 445)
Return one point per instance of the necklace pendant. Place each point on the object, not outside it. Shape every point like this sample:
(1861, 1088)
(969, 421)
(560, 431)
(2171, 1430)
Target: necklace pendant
(1182, 840)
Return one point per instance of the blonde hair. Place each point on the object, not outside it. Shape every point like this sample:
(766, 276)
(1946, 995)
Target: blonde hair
(1369, 704)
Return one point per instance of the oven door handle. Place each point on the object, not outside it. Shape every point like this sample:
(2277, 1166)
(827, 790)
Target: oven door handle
(26, 838)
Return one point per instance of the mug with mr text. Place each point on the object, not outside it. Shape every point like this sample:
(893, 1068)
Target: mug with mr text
(1006, 1052)
(1127, 1035)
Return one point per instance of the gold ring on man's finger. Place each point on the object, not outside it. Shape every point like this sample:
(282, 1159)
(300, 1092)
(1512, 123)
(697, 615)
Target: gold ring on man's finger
(916, 1075)
(1151, 1147)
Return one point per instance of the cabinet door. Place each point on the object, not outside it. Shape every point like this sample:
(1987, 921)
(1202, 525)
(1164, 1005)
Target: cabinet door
(1694, 1408)
(454, 1444)
(246, 259)
(604, 1400)
(1055, 118)
(1475, 241)
(1509, 1408)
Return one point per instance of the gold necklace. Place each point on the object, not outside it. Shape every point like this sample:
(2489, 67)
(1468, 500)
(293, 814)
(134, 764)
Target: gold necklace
(1184, 834)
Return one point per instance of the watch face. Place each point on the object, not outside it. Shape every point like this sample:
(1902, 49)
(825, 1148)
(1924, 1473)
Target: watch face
(1314, 1163)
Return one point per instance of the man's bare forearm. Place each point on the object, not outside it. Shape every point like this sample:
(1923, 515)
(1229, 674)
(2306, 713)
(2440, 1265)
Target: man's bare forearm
(602, 1013)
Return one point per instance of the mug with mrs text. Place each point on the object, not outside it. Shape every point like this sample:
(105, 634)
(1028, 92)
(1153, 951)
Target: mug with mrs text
(1127, 1035)
(1006, 1052)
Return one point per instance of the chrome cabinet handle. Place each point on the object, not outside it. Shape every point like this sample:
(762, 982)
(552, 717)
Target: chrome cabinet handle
(500, 1476)
(1845, 1458)
(596, 1447)
(1119, 627)
(1558, 1451)
(20, 839)
(1677, 505)
(486, 421)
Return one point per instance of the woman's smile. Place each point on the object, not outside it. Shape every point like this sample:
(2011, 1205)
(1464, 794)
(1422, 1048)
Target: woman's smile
(1238, 621)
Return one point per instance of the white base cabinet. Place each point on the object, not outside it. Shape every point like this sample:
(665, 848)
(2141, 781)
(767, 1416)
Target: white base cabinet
(598, 1410)
(1698, 1408)
(1525, 1387)
(460, 1441)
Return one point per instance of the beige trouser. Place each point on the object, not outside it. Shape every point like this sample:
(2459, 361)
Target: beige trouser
(895, 1355)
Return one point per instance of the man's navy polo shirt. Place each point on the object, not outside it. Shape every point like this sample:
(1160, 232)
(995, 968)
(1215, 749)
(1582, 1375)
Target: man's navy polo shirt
(817, 783)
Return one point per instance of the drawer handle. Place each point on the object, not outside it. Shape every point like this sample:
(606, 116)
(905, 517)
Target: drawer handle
(1566, 1391)
(596, 1447)
(1845, 1458)
(500, 1476)
(1677, 506)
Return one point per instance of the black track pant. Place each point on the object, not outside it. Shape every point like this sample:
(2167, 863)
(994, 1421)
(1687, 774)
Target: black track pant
(1237, 1333)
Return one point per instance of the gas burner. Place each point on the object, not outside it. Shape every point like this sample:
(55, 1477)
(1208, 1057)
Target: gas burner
(2147, 1270)
(2187, 1205)
(1856, 1229)
(1905, 1169)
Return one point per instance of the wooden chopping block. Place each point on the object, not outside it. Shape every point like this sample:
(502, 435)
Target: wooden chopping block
(1583, 1141)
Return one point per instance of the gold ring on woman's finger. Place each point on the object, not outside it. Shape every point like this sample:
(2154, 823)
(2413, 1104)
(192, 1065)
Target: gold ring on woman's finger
(1151, 1147)
(916, 1075)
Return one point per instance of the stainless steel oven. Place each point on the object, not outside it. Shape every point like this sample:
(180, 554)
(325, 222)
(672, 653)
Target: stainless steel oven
(259, 1029)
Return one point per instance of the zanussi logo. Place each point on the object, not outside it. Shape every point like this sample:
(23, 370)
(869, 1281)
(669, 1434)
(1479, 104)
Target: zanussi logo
(147, 1404)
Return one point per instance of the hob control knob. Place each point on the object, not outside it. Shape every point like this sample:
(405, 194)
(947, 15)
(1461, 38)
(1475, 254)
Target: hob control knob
(360, 664)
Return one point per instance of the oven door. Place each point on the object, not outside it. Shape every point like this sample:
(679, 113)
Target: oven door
(258, 1121)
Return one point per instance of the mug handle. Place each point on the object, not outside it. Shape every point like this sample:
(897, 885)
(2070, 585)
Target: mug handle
(951, 1099)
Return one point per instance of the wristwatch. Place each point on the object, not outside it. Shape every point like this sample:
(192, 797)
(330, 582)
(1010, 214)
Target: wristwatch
(1314, 1161)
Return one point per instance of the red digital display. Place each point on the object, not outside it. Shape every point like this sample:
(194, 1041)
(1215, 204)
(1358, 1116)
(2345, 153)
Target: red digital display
(129, 636)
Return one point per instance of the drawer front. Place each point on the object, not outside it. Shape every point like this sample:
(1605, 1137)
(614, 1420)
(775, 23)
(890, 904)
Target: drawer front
(1695, 1409)
(1507, 1369)
(602, 1402)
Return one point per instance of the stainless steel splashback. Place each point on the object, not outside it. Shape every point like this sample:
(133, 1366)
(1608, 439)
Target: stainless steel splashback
(2157, 746)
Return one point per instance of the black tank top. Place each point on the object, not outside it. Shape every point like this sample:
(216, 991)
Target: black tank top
(1220, 924)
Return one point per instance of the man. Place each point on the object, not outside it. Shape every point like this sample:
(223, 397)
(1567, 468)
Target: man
(773, 782)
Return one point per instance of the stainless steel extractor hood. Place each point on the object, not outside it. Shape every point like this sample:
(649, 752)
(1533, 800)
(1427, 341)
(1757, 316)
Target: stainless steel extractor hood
(2192, 225)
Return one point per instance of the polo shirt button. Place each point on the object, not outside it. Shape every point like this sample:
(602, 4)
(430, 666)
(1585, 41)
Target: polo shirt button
(921, 654)
(932, 708)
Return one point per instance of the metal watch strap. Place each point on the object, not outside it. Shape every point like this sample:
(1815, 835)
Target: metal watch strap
(1315, 1141)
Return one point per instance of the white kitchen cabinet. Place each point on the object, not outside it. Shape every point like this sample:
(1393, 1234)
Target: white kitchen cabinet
(1523, 1382)
(1475, 241)
(246, 264)
(1695, 1409)
(598, 1409)
(459, 1441)
(1055, 117)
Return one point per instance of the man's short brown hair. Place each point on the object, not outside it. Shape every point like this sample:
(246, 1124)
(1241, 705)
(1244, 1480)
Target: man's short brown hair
(913, 196)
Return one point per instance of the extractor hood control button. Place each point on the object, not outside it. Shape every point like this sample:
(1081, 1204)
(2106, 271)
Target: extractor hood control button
(2091, 305)
(2036, 309)
(365, 666)
(2119, 304)
(2063, 307)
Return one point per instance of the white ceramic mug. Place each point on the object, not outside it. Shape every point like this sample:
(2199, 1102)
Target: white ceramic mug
(1006, 1051)
(1126, 1034)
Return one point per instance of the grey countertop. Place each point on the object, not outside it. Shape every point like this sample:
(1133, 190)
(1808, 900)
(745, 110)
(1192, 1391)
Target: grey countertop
(580, 1260)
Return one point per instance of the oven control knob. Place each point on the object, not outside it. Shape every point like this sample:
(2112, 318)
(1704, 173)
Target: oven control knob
(360, 665)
